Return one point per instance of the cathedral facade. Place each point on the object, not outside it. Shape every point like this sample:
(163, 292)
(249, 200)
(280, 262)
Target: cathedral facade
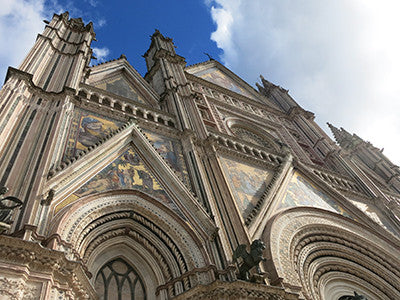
(186, 183)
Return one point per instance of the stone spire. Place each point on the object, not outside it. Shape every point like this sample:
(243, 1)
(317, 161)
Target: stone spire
(60, 54)
(343, 137)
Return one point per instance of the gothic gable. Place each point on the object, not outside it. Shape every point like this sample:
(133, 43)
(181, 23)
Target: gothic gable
(118, 77)
(126, 160)
(216, 73)
(127, 171)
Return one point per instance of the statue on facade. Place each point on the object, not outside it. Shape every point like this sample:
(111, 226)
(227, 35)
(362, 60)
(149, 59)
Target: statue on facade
(355, 297)
(7, 205)
(249, 260)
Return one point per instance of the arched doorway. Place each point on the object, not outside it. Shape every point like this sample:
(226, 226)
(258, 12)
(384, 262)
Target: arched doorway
(330, 256)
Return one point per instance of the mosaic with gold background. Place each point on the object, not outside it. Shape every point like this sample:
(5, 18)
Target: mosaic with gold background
(247, 183)
(87, 128)
(301, 192)
(121, 87)
(125, 172)
(214, 75)
(171, 150)
(374, 213)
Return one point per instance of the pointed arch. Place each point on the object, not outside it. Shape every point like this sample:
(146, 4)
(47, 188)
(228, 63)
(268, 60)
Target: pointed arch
(328, 256)
(132, 225)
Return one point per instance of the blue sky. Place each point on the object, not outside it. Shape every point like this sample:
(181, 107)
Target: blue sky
(339, 59)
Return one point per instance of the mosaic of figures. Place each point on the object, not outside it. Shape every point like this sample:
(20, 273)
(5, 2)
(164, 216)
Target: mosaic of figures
(126, 172)
(121, 87)
(374, 213)
(301, 192)
(247, 183)
(86, 129)
(171, 151)
(216, 76)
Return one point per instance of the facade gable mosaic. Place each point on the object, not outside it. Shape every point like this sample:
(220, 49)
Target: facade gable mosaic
(121, 86)
(87, 128)
(171, 150)
(247, 183)
(217, 77)
(126, 172)
(301, 192)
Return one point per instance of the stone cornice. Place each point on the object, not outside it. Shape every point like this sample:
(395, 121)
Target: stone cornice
(36, 258)
(230, 93)
(240, 112)
(236, 290)
(244, 151)
(13, 72)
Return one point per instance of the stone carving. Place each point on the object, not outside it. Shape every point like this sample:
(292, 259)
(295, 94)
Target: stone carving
(7, 205)
(250, 260)
(355, 297)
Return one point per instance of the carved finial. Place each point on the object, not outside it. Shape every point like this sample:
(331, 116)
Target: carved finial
(122, 56)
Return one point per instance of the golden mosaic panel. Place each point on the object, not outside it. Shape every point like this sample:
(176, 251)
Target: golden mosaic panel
(86, 129)
(121, 87)
(125, 172)
(247, 183)
(301, 192)
(214, 75)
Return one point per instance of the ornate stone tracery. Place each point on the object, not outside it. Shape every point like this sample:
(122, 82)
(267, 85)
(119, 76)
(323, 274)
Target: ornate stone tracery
(132, 218)
(309, 248)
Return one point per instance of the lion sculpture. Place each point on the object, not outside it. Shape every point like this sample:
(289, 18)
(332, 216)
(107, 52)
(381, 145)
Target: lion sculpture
(250, 260)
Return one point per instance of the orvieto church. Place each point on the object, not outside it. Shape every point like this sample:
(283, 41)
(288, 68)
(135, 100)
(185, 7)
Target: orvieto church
(187, 183)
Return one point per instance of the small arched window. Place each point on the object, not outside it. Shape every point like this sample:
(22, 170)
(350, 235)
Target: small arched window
(118, 280)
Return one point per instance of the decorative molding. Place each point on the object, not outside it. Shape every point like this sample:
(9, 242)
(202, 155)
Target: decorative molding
(24, 254)
(237, 290)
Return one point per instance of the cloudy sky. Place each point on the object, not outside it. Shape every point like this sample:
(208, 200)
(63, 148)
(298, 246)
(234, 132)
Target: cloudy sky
(338, 58)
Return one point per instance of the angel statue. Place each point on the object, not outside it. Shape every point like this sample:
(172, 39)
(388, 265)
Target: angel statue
(250, 260)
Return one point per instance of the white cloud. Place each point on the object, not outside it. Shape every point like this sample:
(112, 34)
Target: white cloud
(338, 58)
(20, 22)
(101, 53)
(100, 23)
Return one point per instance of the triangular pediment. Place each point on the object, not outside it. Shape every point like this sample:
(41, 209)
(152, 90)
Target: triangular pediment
(124, 161)
(126, 172)
(218, 74)
(118, 77)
